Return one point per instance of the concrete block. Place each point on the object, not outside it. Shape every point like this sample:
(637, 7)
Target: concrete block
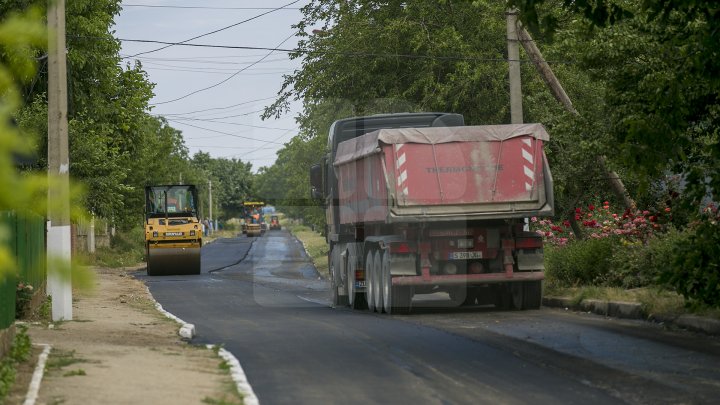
(699, 324)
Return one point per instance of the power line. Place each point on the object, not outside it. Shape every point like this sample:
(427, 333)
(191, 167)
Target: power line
(209, 8)
(224, 108)
(144, 59)
(349, 54)
(228, 78)
(210, 72)
(210, 68)
(179, 121)
(215, 121)
(218, 30)
(225, 147)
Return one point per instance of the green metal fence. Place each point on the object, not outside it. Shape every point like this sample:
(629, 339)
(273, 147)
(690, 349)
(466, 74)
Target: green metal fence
(27, 243)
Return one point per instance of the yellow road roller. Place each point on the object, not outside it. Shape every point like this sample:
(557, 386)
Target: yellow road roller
(253, 218)
(173, 233)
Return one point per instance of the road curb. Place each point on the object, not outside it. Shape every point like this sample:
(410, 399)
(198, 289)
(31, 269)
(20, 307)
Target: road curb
(238, 375)
(187, 330)
(634, 310)
(38, 373)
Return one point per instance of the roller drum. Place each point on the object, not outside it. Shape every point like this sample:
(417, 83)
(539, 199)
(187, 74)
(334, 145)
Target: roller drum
(163, 261)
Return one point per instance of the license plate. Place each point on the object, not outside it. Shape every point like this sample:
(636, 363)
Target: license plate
(173, 234)
(360, 284)
(464, 255)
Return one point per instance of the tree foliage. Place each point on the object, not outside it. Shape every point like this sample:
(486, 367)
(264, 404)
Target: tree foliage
(380, 57)
(659, 60)
(116, 146)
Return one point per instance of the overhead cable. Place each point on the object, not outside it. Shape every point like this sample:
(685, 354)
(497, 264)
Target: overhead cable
(217, 30)
(227, 78)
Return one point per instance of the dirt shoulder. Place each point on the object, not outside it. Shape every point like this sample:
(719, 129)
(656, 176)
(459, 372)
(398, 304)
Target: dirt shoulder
(120, 350)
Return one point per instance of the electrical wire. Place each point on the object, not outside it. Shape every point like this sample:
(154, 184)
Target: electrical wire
(208, 8)
(349, 54)
(218, 30)
(209, 72)
(179, 121)
(214, 121)
(228, 78)
(224, 108)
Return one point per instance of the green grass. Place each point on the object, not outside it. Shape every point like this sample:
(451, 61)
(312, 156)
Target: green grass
(655, 301)
(59, 359)
(19, 352)
(73, 373)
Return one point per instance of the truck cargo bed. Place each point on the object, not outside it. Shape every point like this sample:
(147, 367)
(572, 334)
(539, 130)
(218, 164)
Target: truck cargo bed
(442, 174)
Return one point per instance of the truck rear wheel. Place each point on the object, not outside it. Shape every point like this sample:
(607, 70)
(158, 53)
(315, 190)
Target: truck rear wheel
(356, 300)
(396, 299)
(336, 278)
(369, 283)
(532, 294)
(377, 282)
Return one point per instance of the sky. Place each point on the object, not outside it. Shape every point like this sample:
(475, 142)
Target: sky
(223, 120)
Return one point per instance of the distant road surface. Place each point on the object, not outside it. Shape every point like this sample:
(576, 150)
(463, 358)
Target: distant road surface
(263, 300)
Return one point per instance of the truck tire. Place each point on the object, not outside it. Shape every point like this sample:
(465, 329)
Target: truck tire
(532, 294)
(369, 272)
(396, 299)
(517, 295)
(377, 281)
(336, 278)
(356, 300)
(386, 276)
(503, 297)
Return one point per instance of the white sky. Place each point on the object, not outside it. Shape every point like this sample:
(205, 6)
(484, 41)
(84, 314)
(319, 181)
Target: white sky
(179, 70)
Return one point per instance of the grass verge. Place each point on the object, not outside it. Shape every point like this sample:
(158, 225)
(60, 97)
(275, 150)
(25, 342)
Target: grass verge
(19, 353)
(315, 244)
(654, 301)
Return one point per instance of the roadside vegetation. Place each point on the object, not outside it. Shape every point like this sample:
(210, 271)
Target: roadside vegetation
(641, 75)
(19, 352)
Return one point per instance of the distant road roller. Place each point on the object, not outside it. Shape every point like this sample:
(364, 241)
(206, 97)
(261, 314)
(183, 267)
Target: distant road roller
(173, 233)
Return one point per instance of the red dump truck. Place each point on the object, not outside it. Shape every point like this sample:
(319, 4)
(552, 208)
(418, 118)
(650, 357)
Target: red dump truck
(421, 204)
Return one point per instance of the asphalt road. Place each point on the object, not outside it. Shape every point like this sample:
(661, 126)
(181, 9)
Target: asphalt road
(263, 300)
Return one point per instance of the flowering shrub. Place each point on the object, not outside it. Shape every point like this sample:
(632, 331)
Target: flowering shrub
(694, 271)
(23, 295)
(601, 222)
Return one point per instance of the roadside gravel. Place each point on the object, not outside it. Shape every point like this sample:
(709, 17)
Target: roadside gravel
(120, 349)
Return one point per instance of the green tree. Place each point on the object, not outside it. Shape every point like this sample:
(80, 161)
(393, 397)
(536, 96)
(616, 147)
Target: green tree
(19, 34)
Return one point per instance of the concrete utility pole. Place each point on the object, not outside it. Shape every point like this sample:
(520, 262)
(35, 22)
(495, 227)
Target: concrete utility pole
(516, 110)
(211, 207)
(91, 235)
(59, 251)
(559, 93)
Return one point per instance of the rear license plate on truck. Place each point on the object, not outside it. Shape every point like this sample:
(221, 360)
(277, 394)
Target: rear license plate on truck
(173, 234)
(464, 255)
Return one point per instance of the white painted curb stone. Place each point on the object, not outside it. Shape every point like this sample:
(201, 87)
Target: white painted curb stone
(187, 330)
(238, 375)
(34, 388)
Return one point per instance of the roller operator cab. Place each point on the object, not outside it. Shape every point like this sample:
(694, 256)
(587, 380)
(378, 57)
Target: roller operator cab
(422, 204)
(173, 232)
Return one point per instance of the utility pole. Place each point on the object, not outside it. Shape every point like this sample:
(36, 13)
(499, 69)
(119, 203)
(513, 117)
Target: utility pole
(616, 184)
(516, 109)
(210, 221)
(59, 251)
